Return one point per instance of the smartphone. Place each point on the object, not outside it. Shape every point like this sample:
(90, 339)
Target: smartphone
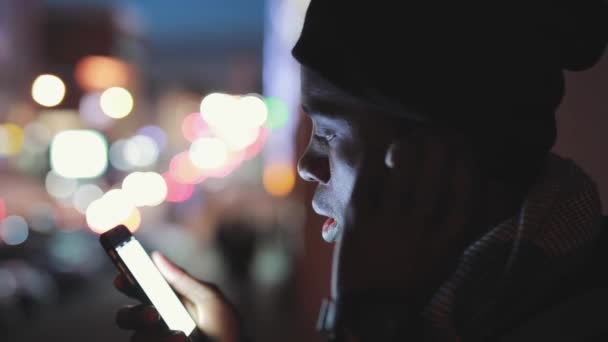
(135, 264)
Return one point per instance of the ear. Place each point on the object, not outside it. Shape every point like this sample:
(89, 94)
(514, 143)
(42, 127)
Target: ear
(401, 149)
(394, 154)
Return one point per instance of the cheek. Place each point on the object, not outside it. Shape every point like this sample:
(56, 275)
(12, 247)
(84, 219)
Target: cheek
(343, 160)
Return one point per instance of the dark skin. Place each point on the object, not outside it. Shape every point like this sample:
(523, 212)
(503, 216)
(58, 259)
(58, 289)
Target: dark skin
(406, 201)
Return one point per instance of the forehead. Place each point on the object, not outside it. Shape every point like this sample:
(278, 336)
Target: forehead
(321, 97)
(325, 102)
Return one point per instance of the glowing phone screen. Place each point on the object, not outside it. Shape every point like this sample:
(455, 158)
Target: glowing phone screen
(155, 286)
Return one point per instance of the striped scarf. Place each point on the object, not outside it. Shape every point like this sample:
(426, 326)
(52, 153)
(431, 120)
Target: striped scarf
(512, 269)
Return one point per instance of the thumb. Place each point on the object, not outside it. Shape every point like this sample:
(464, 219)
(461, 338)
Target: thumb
(179, 279)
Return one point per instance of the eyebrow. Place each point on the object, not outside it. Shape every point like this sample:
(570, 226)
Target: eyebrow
(316, 109)
(322, 106)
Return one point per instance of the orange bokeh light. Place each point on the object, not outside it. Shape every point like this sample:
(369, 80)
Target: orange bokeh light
(96, 73)
(279, 179)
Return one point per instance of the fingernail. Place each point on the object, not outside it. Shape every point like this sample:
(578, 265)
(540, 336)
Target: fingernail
(151, 315)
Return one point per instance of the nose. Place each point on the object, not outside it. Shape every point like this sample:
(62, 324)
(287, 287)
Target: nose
(313, 167)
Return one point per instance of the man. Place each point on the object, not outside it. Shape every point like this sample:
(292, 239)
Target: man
(432, 125)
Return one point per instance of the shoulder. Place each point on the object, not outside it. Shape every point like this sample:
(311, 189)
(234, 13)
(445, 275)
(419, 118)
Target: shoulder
(581, 316)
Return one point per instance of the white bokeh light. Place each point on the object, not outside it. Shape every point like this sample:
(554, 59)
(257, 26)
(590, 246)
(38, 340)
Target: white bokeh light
(145, 188)
(215, 106)
(79, 154)
(110, 210)
(98, 217)
(235, 120)
(253, 110)
(48, 90)
(116, 102)
(238, 137)
(208, 153)
(119, 204)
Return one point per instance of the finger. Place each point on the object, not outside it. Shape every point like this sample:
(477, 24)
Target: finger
(122, 284)
(182, 282)
(138, 317)
(150, 336)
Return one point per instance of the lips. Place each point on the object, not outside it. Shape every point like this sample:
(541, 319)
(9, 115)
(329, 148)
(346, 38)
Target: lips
(331, 226)
(330, 230)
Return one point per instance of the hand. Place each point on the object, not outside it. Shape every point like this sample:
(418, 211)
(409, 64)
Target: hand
(213, 314)
(403, 225)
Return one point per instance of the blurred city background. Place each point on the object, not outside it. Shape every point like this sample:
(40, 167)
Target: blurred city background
(179, 119)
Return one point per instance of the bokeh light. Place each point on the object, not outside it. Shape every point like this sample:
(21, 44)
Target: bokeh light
(155, 133)
(101, 72)
(133, 221)
(98, 217)
(79, 154)
(235, 120)
(279, 179)
(14, 230)
(91, 113)
(208, 153)
(253, 110)
(85, 195)
(11, 139)
(194, 127)
(116, 102)
(59, 187)
(145, 188)
(215, 105)
(110, 210)
(177, 192)
(140, 151)
(278, 113)
(183, 170)
(48, 90)
(119, 204)
(233, 161)
(239, 137)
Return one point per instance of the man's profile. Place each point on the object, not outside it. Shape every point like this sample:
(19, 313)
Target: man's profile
(432, 129)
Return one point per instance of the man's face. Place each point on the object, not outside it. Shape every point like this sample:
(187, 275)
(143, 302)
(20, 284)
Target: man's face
(345, 133)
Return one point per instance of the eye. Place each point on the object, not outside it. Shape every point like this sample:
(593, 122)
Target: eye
(324, 138)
